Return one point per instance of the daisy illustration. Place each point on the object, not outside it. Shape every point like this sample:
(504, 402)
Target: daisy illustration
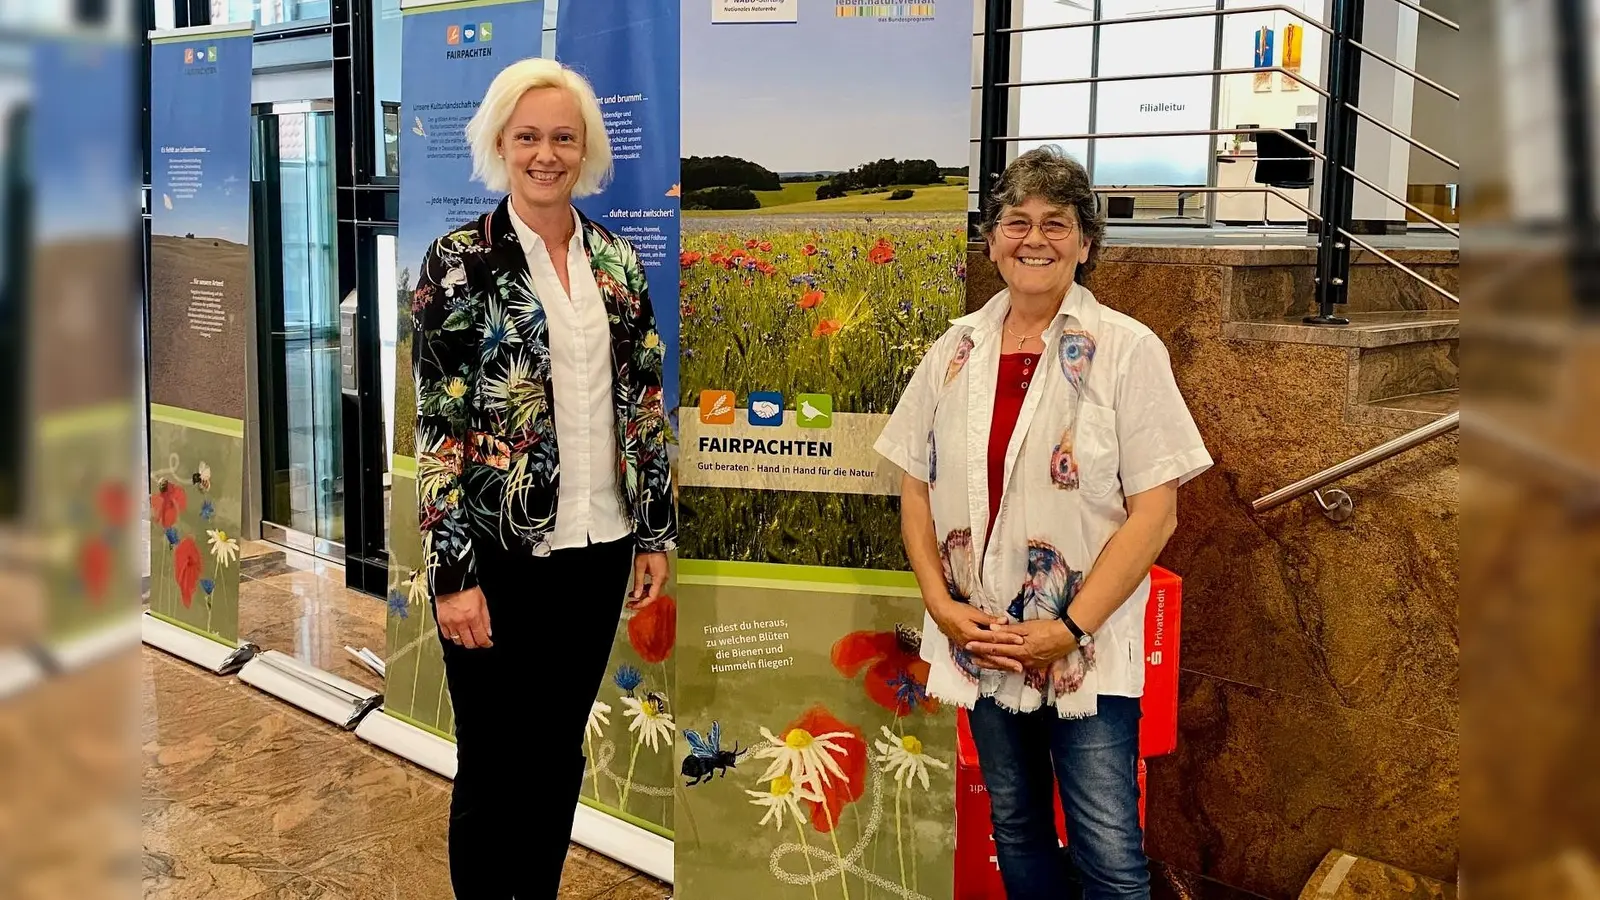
(598, 717)
(780, 796)
(650, 720)
(224, 549)
(904, 759)
(801, 755)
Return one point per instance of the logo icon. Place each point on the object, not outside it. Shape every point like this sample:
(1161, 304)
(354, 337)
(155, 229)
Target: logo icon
(211, 54)
(188, 56)
(485, 33)
(814, 411)
(766, 408)
(716, 407)
(1155, 658)
(469, 34)
(452, 34)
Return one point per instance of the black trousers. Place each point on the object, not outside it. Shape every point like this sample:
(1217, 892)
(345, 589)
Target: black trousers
(516, 788)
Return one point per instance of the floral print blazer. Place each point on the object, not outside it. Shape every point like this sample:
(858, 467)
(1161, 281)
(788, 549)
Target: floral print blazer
(487, 466)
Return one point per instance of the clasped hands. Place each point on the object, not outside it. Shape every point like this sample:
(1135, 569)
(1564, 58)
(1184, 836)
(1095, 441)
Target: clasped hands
(997, 644)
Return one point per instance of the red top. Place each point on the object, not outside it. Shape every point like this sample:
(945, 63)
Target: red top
(1016, 370)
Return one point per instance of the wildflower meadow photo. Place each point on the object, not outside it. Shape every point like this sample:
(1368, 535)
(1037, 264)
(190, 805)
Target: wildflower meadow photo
(824, 247)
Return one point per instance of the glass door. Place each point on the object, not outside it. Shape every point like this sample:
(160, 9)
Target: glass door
(297, 316)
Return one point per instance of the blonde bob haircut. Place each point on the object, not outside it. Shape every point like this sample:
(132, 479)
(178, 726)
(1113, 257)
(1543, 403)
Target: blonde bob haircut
(483, 132)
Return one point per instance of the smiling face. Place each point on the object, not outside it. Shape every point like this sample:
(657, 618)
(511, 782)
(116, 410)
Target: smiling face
(1038, 247)
(543, 148)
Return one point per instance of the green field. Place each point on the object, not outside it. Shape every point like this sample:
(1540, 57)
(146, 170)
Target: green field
(800, 197)
(748, 324)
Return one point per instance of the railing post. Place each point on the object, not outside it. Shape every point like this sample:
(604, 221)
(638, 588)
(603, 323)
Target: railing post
(1339, 143)
(1577, 144)
(995, 110)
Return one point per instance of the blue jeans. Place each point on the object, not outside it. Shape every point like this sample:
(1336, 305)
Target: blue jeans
(1095, 760)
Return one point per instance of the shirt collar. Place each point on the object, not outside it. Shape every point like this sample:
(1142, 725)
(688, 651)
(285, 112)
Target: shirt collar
(1079, 304)
(530, 240)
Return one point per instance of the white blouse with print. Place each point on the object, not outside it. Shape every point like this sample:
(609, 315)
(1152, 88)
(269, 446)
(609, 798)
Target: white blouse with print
(1102, 419)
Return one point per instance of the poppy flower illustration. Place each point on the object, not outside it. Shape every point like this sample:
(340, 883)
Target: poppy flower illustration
(897, 676)
(826, 327)
(112, 502)
(653, 630)
(186, 565)
(809, 250)
(688, 258)
(752, 244)
(168, 502)
(94, 567)
(882, 252)
(809, 300)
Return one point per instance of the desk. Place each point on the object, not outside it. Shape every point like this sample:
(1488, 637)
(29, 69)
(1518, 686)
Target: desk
(1237, 171)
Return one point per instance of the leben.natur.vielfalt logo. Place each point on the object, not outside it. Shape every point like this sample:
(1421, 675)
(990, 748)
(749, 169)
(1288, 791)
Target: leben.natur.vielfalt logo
(877, 9)
(193, 55)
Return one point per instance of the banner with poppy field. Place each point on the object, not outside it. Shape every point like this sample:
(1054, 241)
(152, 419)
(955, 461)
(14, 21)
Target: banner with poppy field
(813, 762)
(200, 290)
(824, 251)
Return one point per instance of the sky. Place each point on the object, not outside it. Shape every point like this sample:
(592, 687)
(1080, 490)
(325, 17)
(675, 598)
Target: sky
(79, 140)
(828, 93)
(202, 110)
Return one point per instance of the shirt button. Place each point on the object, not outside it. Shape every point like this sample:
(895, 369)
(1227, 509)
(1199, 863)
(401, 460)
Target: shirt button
(1024, 385)
(1027, 360)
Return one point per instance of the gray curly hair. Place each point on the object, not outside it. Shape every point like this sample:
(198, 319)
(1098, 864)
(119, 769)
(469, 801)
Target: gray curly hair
(1051, 175)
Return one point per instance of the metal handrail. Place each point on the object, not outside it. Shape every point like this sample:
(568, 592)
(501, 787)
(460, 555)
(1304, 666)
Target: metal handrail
(1192, 132)
(1400, 68)
(1398, 265)
(1197, 189)
(1456, 232)
(1430, 14)
(1358, 462)
(1168, 17)
(1404, 137)
(1203, 73)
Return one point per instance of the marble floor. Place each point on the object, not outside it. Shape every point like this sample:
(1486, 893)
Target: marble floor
(244, 796)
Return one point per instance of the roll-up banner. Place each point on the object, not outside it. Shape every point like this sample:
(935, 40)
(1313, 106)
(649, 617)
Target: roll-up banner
(629, 52)
(823, 253)
(83, 243)
(451, 52)
(200, 292)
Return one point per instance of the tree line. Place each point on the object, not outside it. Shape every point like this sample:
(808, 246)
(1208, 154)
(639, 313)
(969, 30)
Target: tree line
(728, 182)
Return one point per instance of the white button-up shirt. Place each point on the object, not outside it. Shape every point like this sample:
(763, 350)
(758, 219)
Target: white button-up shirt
(588, 508)
(1102, 419)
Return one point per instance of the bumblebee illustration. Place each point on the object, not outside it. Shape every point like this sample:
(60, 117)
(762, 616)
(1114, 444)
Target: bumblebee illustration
(706, 756)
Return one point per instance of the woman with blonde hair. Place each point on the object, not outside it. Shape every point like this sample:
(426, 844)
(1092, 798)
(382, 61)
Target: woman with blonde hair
(543, 476)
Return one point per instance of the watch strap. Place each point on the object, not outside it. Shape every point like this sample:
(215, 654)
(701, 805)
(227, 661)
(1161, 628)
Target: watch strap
(1078, 634)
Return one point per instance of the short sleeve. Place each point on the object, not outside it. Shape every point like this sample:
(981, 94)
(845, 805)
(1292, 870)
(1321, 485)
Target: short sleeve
(1157, 438)
(904, 440)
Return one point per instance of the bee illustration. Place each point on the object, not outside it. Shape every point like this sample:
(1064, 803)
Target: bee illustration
(706, 756)
(658, 701)
(202, 478)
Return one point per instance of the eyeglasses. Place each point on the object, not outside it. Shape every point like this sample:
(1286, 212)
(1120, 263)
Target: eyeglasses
(1052, 229)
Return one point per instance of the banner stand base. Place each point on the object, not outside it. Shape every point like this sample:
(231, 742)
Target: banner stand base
(213, 656)
(407, 741)
(342, 702)
(87, 649)
(18, 672)
(626, 843)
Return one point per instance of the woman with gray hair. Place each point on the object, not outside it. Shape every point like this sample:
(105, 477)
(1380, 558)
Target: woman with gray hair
(1043, 440)
(542, 466)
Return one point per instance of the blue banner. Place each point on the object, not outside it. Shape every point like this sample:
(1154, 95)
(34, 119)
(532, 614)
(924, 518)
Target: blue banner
(629, 52)
(451, 53)
(200, 294)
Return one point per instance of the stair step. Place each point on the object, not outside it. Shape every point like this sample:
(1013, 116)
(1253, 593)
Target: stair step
(1407, 412)
(1345, 876)
(1365, 331)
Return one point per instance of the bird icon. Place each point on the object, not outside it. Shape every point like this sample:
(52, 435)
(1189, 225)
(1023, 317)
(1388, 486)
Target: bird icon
(809, 412)
(416, 127)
